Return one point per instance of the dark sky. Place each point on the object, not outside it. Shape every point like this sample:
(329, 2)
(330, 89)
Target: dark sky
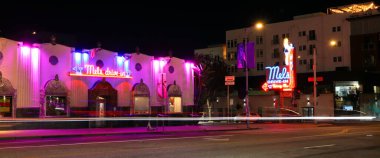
(156, 27)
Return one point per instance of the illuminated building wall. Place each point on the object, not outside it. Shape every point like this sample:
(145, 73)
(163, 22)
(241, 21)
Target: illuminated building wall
(57, 80)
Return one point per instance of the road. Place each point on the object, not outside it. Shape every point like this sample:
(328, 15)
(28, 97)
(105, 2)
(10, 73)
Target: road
(269, 141)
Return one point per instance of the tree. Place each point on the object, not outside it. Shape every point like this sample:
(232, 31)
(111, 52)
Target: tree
(210, 79)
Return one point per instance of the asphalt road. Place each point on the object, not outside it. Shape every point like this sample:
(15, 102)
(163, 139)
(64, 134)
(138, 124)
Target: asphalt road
(270, 141)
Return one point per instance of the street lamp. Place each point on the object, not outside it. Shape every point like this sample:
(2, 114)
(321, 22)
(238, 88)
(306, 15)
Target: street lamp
(258, 26)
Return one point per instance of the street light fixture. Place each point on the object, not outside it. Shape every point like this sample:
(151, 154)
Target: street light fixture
(333, 43)
(258, 26)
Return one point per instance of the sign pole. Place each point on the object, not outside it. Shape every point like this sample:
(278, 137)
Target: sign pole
(315, 79)
(228, 103)
(229, 81)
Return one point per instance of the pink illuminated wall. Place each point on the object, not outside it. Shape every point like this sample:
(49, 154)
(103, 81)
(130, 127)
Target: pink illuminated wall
(29, 76)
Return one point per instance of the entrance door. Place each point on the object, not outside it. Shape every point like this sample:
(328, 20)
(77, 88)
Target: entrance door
(100, 106)
(307, 111)
(175, 104)
(102, 99)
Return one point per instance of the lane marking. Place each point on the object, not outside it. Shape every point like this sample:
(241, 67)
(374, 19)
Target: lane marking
(105, 142)
(319, 146)
(218, 139)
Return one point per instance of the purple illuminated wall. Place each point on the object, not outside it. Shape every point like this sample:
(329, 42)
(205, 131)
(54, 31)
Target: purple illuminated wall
(29, 76)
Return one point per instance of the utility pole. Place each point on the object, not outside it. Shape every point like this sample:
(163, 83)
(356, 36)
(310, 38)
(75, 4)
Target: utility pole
(247, 111)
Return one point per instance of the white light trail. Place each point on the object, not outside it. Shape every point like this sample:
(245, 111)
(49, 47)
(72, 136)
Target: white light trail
(182, 119)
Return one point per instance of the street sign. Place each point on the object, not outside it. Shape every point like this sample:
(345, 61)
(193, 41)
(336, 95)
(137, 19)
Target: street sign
(229, 78)
(311, 79)
(229, 83)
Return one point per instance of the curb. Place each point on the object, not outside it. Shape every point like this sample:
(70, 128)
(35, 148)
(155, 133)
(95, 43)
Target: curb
(123, 133)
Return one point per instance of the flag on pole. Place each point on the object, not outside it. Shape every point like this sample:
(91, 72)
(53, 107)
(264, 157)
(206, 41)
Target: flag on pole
(243, 58)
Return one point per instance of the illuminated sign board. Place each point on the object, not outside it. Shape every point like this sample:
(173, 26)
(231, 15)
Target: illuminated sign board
(94, 71)
(282, 77)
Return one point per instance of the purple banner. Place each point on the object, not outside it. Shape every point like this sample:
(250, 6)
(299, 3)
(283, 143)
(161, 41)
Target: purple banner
(241, 56)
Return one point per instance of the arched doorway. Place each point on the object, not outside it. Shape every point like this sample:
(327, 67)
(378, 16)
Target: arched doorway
(55, 100)
(7, 93)
(175, 98)
(141, 100)
(102, 99)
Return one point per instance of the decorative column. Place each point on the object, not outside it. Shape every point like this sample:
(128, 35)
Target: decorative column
(28, 72)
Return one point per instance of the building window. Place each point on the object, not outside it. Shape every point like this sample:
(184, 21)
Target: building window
(138, 66)
(300, 34)
(56, 106)
(304, 61)
(259, 39)
(99, 63)
(171, 69)
(260, 66)
(303, 33)
(229, 56)
(300, 62)
(334, 29)
(276, 40)
(300, 48)
(235, 43)
(339, 43)
(276, 53)
(233, 55)
(312, 35)
(338, 29)
(337, 59)
(6, 106)
(53, 60)
(311, 49)
(228, 44)
(259, 53)
(311, 64)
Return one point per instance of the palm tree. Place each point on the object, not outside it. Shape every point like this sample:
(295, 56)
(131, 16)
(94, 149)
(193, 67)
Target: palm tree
(210, 80)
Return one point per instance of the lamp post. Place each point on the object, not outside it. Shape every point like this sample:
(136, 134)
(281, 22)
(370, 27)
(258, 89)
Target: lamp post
(258, 26)
(247, 111)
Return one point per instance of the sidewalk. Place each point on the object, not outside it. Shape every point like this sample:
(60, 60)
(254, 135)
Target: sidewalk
(46, 133)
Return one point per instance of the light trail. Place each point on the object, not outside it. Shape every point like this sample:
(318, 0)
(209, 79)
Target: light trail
(20, 120)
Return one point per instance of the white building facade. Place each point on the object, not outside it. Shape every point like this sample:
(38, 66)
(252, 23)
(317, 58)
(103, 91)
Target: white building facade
(53, 80)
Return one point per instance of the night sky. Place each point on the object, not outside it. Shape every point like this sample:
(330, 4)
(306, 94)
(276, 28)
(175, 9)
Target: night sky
(155, 27)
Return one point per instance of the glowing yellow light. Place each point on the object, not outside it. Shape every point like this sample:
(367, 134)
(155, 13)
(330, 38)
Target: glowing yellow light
(299, 57)
(259, 25)
(34, 32)
(332, 43)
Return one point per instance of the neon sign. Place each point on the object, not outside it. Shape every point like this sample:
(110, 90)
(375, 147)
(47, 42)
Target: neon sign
(92, 71)
(282, 77)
